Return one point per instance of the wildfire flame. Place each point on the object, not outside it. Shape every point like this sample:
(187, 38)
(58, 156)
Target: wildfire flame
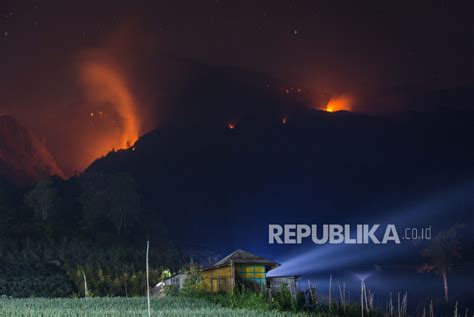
(231, 125)
(106, 85)
(338, 103)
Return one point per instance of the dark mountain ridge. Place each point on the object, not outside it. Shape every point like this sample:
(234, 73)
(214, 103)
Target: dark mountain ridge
(211, 180)
(23, 158)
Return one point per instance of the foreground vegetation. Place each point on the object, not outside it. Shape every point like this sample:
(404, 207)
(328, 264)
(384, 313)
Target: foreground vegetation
(51, 269)
(58, 236)
(280, 303)
(116, 307)
(246, 297)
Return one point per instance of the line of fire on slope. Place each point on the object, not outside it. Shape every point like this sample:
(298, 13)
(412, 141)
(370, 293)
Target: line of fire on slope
(240, 269)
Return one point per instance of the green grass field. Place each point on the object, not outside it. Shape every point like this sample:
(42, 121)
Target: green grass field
(116, 306)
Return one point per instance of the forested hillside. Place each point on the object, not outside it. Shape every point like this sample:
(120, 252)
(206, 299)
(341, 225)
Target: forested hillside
(56, 234)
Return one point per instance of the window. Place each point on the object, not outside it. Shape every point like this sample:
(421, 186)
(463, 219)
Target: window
(252, 273)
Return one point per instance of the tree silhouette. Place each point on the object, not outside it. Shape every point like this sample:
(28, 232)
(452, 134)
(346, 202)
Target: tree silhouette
(124, 201)
(7, 206)
(42, 198)
(441, 253)
(93, 198)
(113, 198)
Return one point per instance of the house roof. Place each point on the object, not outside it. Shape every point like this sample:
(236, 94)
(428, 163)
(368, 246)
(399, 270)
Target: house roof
(296, 277)
(244, 257)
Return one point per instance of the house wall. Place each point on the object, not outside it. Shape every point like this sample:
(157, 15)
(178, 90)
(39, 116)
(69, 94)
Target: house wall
(276, 283)
(226, 278)
(218, 279)
(177, 280)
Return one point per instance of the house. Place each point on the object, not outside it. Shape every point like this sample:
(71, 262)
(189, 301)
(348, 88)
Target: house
(177, 279)
(159, 289)
(275, 283)
(238, 270)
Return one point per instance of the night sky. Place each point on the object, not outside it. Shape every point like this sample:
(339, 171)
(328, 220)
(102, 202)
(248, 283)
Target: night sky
(335, 45)
(363, 49)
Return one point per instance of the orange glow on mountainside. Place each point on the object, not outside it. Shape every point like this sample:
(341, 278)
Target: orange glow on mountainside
(106, 85)
(338, 103)
(115, 116)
